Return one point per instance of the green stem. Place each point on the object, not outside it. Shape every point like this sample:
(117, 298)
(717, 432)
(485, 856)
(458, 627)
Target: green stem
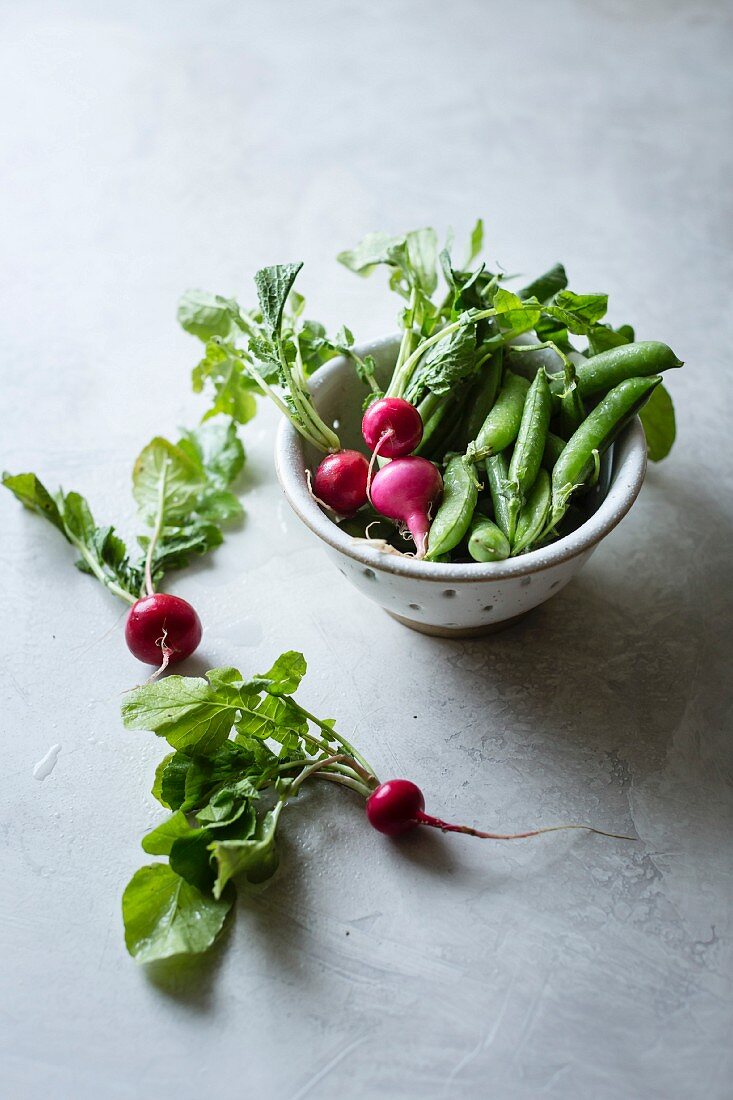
(487, 355)
(367, 374)
(343, 769)
(406, 344)
(299, 361)
(325, 769)
(343, 781)
(364, 768)
(327, 438)
(315, 766)
(274, 397)
(429, 405)
(149, 587)
(99, 573)
(401, 376)
(278, 401)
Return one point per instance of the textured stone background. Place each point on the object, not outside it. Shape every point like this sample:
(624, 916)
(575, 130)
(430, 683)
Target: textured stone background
(150, 147)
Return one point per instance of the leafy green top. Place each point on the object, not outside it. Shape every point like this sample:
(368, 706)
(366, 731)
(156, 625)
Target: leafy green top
(182, 492)
(445, 342)
(272, 349)
(236, 743)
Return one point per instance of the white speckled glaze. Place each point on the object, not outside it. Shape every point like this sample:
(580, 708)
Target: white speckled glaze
(449, 600)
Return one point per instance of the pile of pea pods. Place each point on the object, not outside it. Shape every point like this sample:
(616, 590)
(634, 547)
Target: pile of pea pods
(525, 447)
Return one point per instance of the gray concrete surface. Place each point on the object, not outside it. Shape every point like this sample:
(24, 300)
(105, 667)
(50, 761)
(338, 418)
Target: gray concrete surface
(150, 147)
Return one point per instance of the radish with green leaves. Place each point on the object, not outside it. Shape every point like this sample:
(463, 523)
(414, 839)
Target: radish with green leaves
(242, 750)
(280, 354)
(183, 493)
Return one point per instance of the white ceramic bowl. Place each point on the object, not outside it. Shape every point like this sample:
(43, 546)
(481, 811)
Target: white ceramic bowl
(446, 600)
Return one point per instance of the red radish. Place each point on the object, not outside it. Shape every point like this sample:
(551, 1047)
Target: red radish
(162, 629)
(398, 805)
(340, 482)
(392, 427)
(394, 806)
(406, 489)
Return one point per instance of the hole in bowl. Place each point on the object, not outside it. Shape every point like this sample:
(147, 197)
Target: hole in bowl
(449, 593)
(414, 606)
(489, 607)
(370, 574)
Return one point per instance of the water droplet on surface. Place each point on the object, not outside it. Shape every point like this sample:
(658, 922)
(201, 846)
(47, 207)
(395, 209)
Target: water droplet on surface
(46, 764)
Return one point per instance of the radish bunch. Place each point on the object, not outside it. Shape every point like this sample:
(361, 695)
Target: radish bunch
(184, 499)
(406, 489)
(282, 351)
(243, 749)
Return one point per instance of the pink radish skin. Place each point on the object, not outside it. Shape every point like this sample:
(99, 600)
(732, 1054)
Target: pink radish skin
(406, 489)
(394, 806)
(398, 806)
(162, 629)
(392, 427)
(340, 482)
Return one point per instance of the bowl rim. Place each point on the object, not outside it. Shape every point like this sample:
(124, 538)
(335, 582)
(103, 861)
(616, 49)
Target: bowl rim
(627, 478)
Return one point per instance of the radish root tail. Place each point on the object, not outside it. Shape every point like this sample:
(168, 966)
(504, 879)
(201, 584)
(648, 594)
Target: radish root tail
(446, 827)
(167, 654)
(375, 455)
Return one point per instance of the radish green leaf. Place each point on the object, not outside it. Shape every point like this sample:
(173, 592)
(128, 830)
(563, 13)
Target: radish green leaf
(159, 841)
(658, 420)
(164, 915)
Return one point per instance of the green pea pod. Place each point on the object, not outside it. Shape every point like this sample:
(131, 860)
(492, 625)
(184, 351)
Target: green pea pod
(486, 541)
(499, 429)
(497, 472)
(460, 493)
(534, 513)
(607, 369)
(554, 447)
(481, 401)
(581, 454)
(530, 445)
